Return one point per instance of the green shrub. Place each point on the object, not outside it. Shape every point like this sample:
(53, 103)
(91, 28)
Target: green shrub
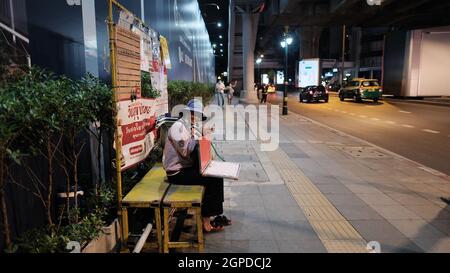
(148, 91)
(180, 92)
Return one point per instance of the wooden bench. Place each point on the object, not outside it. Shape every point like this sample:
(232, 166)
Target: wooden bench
(154, 192)
(183, 197)
(149, 193)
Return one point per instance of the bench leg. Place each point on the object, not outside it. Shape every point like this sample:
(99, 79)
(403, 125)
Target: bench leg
(166, 230)
(124, 220)
(201, 242)
(158, 229)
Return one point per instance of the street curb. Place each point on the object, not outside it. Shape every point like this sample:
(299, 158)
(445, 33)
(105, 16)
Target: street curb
(419, 165)
(418, 102)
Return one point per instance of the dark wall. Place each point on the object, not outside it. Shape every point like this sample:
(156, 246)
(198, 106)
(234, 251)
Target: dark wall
(56, 34)
(394, 59)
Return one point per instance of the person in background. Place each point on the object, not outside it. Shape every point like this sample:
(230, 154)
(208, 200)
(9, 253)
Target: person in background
(231, 86)
(220, 89)
(264, 90)
(181, 163)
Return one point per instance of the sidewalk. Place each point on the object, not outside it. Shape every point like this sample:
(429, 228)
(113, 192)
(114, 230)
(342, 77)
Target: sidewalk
(437, 101)
(324, 191)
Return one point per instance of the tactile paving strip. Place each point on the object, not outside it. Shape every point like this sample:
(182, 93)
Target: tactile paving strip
(335, 232)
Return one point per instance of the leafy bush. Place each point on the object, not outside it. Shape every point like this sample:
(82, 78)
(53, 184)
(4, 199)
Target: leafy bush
(148, 91)
(180, 92)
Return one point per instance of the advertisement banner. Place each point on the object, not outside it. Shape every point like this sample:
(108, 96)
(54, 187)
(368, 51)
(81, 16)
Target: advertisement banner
(137, 121)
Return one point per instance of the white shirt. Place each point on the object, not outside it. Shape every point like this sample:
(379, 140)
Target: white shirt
(220, 87)
(178, 148)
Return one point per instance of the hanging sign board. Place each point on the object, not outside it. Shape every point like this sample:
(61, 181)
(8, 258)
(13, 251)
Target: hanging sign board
(165, 52)
(128, 62)
(138, 49)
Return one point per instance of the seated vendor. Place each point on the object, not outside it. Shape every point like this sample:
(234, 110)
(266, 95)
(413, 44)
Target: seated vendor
(181, 163)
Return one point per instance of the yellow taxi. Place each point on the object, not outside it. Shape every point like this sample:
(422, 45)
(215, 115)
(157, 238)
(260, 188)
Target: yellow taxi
(361, 89)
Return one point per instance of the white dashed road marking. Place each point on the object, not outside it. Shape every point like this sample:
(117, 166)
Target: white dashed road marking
(363, 116)
(391, 122)
(408, 126)
(405, 112)
(431, 131)
(375, 119)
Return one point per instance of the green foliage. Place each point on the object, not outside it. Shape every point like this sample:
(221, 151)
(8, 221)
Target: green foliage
(180, 92)
(148, 91)
(86, 230)
(53, 240)
(38, 109)
(44, 240)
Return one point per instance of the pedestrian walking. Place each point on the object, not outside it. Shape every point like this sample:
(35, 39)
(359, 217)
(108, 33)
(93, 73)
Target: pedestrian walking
(230, 94)
(220, 96)
(264, 90)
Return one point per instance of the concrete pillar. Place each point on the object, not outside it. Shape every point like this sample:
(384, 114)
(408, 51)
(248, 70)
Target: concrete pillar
(309, 41)
(249, 32)
(355, 53)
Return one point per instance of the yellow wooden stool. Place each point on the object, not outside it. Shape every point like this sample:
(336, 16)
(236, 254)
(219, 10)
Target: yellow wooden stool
(148, 193)
(183, 197)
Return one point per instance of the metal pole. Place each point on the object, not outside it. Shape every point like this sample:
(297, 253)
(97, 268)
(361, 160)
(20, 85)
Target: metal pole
(344, 34)
(285, 96)
(112, 52)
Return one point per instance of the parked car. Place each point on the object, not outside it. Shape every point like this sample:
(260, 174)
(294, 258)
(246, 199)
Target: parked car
(333, 87)
(314, 94)
(361, 89)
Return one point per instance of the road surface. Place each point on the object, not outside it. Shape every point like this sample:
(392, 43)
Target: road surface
(417, 132)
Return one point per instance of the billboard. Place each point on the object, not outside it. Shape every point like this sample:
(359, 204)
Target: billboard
(309, 72)
(280, 77)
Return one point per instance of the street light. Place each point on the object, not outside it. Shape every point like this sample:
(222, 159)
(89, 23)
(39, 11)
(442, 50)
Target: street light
(285, 43)
(258, 62)
(219, 24)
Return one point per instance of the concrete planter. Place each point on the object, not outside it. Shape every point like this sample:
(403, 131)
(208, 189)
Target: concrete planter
(108, 242)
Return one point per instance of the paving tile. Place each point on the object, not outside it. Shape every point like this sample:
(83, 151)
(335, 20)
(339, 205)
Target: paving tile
(431, 212)
(363, 188)
(396, 213)
(278, 200)
(324, 180)
(248, 200)
(416, 229)
(293, 213)
(377, 199)
(399, 245)
(293, 151)
(344, 200)
(333, 188)
(297, 246)
(310, 167)
(441, 245)
(376, 230)
(264, 246)
(277, 189)
(409, 199)
(243, 190)
(359, 213)
(293, 230)
(391, 188)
